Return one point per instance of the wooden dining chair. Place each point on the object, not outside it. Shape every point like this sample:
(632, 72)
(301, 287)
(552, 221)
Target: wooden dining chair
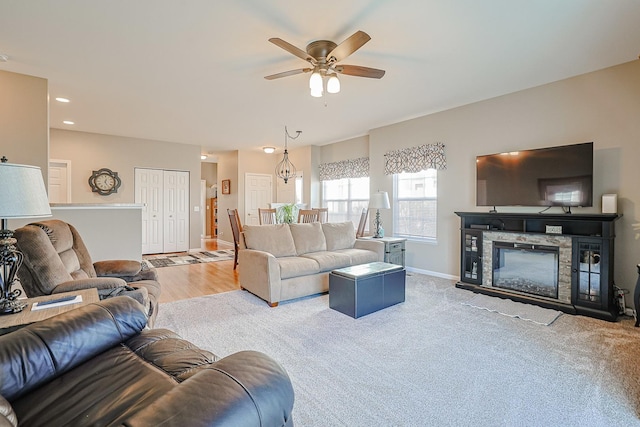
(236, 229)
(323, 214)
(267, 216)
(363, 223)
(307, 215)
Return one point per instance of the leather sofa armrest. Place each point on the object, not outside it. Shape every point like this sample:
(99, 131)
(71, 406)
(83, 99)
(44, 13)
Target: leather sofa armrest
(371, 245)
(7, 415)
(44, 350)
(244, 389)
(93, 282)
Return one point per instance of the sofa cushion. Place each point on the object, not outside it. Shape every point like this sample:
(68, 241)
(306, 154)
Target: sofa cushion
(329, 260)
(339, 235)
(275, 239)
(296, 266)
(308, 237)
(358, 256)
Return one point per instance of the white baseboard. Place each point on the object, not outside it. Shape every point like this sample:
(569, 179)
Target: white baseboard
(432, 273)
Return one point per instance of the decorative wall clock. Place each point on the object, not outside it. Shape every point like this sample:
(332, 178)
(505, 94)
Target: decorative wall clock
(104, 181)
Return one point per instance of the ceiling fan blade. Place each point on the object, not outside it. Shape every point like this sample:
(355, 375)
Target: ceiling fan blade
(356, 70)
(347, 47)
(293, 50)
(288, 73)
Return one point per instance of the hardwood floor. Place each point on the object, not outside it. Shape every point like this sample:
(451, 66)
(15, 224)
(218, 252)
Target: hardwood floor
(194, 280)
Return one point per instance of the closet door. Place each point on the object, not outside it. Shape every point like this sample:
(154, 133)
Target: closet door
(148, 192)
(176, 211)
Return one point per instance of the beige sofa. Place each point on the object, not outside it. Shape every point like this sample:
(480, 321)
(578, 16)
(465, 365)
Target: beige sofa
(285, 261)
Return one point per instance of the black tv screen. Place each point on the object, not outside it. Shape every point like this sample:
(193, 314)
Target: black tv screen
(554, 176)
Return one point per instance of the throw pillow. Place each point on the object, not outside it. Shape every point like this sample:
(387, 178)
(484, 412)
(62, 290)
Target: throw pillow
(339, 235)
(275, 239)
(308, 237)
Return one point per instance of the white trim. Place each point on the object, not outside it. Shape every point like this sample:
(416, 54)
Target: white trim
(67, 164)
(432, 273)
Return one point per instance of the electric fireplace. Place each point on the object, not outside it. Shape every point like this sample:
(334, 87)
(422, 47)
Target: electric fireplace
(525, 267)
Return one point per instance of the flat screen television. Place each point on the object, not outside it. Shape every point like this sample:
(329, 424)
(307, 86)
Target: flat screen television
(554, 176)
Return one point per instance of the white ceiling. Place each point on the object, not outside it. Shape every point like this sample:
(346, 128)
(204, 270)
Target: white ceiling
(192, 71)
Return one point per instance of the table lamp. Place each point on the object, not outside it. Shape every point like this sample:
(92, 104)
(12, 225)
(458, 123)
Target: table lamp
(379, 200)
(22, 195)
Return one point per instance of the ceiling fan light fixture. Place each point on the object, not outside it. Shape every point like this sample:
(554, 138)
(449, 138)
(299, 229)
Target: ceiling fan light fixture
(315, 82)
(316, 94)
(333, 84)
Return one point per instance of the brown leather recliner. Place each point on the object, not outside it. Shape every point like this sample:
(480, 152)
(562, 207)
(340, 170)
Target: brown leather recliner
(56, 260)
(98, 366)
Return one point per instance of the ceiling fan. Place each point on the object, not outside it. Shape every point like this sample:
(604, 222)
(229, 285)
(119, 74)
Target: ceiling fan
(323, 56)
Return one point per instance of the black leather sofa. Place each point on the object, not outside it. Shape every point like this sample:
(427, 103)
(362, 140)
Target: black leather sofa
(98, 365)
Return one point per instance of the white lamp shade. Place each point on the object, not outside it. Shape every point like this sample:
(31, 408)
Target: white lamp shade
(379, 200)
(22, 192)
(333, 84)
(316, 93)
(315, 82)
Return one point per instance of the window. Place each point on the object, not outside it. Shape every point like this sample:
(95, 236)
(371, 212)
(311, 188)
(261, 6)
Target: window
(414, 204)
(345, 198)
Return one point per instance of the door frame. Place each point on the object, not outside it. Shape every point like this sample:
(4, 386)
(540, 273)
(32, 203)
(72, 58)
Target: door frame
(67, 164)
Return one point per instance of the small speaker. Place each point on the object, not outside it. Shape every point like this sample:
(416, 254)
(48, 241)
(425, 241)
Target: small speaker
(609, 203)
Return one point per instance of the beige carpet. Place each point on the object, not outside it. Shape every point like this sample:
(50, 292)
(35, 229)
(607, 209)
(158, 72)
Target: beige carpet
(507, 307)
(430, 361)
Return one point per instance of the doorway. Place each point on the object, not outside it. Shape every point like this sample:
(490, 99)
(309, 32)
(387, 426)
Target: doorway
(258, 193)
(164, 195)
(59, 190)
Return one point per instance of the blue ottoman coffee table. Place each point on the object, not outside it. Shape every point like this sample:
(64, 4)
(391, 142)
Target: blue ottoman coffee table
(362, 289)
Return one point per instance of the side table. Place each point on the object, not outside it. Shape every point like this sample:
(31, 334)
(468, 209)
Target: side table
(393, 249)
(10, 322)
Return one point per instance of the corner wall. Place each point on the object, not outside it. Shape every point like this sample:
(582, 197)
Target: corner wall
(24, 120)
(603, 107)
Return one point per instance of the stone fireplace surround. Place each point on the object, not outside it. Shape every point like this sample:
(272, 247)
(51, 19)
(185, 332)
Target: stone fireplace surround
(564, 249)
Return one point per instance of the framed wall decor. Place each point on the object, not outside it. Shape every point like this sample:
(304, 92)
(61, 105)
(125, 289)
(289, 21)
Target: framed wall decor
(226, 186)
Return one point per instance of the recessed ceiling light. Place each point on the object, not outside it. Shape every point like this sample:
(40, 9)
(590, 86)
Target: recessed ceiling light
(59, 99)
(203, 157)
(68, 122)
(268, 150)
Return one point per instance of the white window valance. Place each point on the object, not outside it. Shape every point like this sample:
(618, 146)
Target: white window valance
(353, 168)
(415, 159)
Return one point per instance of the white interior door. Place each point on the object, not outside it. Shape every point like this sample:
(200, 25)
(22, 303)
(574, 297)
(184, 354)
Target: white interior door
(258, 193)
(148, 192)
(170, 218)
(182, 210)
(59, 181)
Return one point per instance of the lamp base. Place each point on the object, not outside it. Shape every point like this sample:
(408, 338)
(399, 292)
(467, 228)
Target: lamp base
(11, 307)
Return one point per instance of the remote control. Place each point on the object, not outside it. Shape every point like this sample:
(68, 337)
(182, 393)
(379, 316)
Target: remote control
(53, 301)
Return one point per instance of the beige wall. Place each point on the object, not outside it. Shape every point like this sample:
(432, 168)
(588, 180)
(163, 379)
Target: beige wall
(90, 151)
(344, 150)
(602, 107)
(227, 169)
(24, 120)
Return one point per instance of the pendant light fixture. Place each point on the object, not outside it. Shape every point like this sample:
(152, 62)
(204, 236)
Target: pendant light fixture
(285, 169)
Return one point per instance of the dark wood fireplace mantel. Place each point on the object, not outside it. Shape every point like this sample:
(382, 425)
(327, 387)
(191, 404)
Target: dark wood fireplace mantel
(590, 257)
